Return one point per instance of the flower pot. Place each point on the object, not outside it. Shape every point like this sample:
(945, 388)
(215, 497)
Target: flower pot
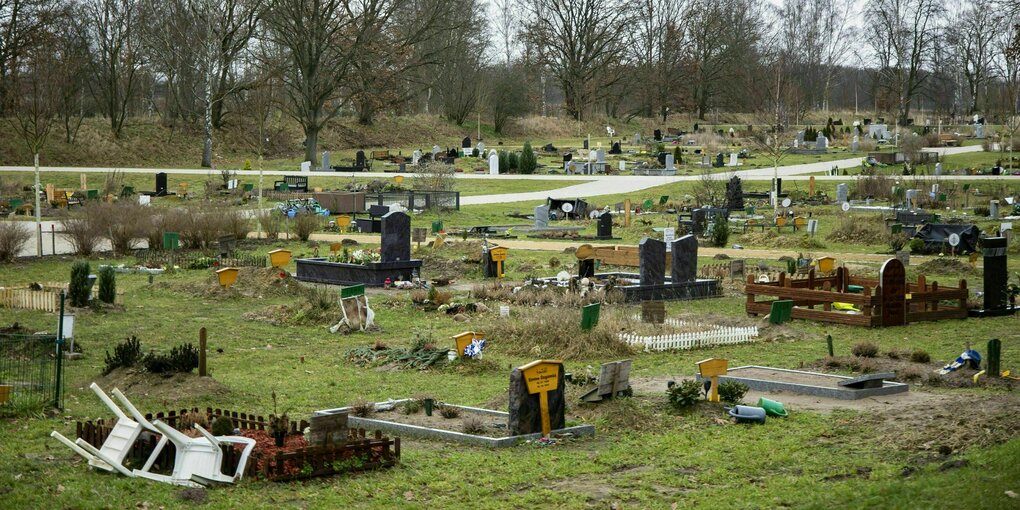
(429, 403)
(279, 437)
(772, 407)
(748, 414)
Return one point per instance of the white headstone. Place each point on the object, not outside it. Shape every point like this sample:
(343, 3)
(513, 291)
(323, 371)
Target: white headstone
(821, 143)
(669, 162)
(325, 160)
(637, 138)
(493, 164)
(415, 156)
(796, 143)
(938, 168)
(306, 166)
(481, 149)
(812, 226)
(623, 165)
(855, 146)
(144, 200)
(733, 159)
(435, 150)
(668, 236)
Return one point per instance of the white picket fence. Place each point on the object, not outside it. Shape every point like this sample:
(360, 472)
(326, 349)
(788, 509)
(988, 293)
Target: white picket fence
(711, 335)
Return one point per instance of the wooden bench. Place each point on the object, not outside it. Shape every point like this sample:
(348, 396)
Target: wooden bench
(381, 155)
(948, 140)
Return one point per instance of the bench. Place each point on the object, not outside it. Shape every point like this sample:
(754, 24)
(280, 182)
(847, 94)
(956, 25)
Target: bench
(381, 155)
(292, 183)
(948, 140)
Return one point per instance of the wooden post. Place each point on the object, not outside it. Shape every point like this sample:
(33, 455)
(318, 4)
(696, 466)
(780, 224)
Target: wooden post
(626, 213)
(201, 353)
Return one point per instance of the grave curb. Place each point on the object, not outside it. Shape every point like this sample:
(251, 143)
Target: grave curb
(416, 431)
(888, 388)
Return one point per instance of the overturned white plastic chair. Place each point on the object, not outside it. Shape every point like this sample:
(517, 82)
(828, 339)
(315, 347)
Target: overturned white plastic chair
(198, 459)
(110, 456)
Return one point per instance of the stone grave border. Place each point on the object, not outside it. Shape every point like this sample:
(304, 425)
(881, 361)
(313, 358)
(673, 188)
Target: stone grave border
(839, 393)
(417, 431)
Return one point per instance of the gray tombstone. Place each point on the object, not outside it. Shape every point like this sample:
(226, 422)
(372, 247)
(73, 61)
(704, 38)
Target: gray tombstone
(993, 207)
(481, 149)
(904, 257)
(685, 259)
(525, 408)
(938, 168)
(855, 146)
(325, 160)
(842, 193)
(605, 226)
(979, 131)
(996, 275)
(669, 162)
(705, 160)
(435, 150)
(800, 137)
(822, 143)
(542, 216)
(415, 156)
(637, 138)
(600, 156)
(396, 237)
(652, 261)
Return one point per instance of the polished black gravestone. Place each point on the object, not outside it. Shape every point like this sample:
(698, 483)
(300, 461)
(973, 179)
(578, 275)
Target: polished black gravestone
(685, 259)
(605, 226)
(396, 237)
(525, 410)
(996, 278)
(652, 261)
(161, 184)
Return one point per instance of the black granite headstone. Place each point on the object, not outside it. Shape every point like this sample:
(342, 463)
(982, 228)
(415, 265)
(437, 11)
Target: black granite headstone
(685, 259)
(662, 158)
(359, 159)
(658, 135)
(652, 261)
(605, 226)
(779, 185)
(699, 217)
(525, 410)
(466, 143)
(616, 148)
(161, 184)
(718, 160)
(734, 194)
(586, 268)
(396, 237)
(586, 143)
(996, 275)
(568, 157)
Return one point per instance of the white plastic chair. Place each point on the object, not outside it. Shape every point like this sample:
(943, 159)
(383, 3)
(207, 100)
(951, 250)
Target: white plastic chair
(198, 459)
(110, 456)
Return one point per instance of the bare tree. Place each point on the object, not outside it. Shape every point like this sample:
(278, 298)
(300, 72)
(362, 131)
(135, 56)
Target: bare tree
(113, 27)
(971, 36)
(906, 31)
(505, 27)
(20, 22)
(507, 95)
(581, 40)
(659, 55)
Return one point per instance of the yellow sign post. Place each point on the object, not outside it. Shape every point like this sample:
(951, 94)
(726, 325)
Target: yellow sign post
(279, 257)
(462, 340)
(712, 368)
(227, 276)
(542, 376)
(626, 213)
(498, 255)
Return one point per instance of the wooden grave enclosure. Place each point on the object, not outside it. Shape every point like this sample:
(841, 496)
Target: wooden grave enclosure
(358, 452)
(46, 299)
(896, 303)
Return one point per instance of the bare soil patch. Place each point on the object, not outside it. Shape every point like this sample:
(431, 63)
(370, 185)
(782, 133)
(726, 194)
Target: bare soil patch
(170, 388)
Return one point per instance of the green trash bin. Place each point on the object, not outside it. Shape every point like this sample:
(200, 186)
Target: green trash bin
(127, 191)
(781, 312)
(15, 203)
(791, 266)
(92, 194)
(248, 187)
(171, 240)
(896, 228)
(282, 186)
(437, 226)
(590, 316)
(749, 210)
(663, 199)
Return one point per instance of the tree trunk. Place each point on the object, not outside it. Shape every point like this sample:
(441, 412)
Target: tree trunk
(208, 128)
(311, 144)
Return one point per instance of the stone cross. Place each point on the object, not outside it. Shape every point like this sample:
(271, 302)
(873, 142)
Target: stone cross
(652, 261)
(396, 237)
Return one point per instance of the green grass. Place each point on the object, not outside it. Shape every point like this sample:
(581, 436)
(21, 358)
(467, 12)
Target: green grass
(642, 457)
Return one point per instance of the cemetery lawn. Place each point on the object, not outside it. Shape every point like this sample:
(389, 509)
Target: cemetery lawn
(643, 456)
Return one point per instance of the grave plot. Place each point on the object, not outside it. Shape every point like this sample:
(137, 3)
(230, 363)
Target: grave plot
(691, 335)
(394, 260)
(813, 383)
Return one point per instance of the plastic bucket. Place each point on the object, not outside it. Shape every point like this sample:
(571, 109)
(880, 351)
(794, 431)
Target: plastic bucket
(772, 408)
(748, 414)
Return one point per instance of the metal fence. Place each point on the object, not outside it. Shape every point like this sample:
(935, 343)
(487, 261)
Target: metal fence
(31, 366)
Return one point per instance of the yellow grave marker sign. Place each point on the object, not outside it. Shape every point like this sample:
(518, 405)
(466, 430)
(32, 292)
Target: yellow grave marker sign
(279, 257)
(498, 255)
(227, 276)
(462, 340)
(399, 179)
(542, 376)
(712, 368)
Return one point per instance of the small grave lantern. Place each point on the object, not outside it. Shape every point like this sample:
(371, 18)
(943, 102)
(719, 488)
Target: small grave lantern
(711, 369)
(227, 276)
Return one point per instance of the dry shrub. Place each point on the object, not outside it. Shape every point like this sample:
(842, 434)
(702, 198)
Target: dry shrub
(84, 229)
(557, 334)
(862, 365)
(125, 221)
(856, 230)
(920, 356)
(362, 408)
(13, 239)
(874, 186)
(271, 223)
(203, 226)
(472, 425)
(237, 222)
(113, 182)
(170, 220)
(305, 224)
(868, 144)
(435, 176)
(910, 374)
(864, 350)
(898, 354)
(449, 412)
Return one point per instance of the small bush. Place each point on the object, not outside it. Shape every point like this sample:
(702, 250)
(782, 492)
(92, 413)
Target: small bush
(982, 212)
(107, 284)
(504, 162)
(305, 224)
(720, 232)
(13, 239)
(270, 221)
(897, 241)
(236, 222)
(78, 289)
(528, 162)
(125, 354)
(865, 350)
(513, 161)
(732, 392)
(898, 354)
(222, 426)
(411, 407)
(192, 418)
(472, 425)
(449, 412)
(84, 229)
(684, 394)
(916, 246)
(362, 408)
(919, 356)
(181, 359)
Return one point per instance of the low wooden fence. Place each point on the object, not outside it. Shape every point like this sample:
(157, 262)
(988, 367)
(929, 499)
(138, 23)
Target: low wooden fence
(358, 453)
(711, 336)
(46, 299)
(920, 301)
